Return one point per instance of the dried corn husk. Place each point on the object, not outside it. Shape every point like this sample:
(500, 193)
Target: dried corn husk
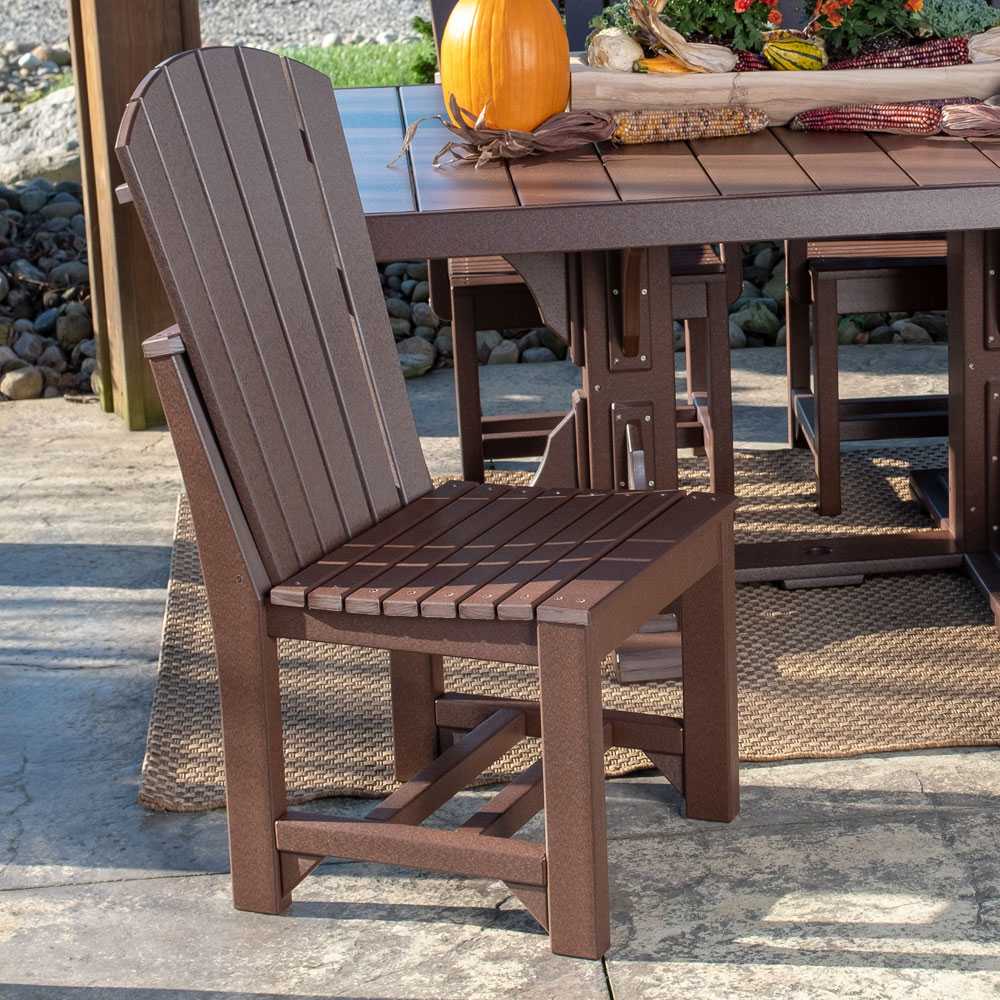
(612, 48)
(479, 145)
(977, 119)
(985, 47)
(697, 56)
(671, 125)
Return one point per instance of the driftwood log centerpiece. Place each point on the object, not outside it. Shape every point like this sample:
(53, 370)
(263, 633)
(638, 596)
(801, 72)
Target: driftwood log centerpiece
(782, 95)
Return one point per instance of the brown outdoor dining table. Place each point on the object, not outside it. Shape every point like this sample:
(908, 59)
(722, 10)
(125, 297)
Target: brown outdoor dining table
(564, 222)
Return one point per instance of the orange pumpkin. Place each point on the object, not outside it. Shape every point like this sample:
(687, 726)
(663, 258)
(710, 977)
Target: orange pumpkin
(508, 56)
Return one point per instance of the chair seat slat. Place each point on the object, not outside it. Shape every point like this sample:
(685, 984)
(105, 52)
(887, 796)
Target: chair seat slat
(482, 604)
(331, 596)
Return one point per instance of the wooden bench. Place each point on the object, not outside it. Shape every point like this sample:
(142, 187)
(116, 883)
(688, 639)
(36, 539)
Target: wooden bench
(316, 520)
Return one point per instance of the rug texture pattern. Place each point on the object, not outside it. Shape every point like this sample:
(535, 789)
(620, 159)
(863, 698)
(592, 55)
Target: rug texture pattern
(899, 663)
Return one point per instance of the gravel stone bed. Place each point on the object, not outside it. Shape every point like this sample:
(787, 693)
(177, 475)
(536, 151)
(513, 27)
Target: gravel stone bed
(268, 23)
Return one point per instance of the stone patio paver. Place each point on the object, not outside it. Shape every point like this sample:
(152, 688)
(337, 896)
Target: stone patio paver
(876, 877)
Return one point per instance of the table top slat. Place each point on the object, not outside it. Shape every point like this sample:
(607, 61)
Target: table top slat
(663, 170)
(571, 178)
(451, 186)
(373, 126)
(751, 164)
(940, 160)
(843, 161)
(988, 147)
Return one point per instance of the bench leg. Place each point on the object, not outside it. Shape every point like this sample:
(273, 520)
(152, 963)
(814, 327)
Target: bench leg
(254, 759)
(711, 752)
(797, 297)
(826, 390)
(417, 681)
(573, 761)
(467, 401)
(720, 391)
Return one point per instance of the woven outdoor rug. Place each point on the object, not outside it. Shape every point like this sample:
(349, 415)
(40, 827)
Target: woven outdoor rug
(900, 663)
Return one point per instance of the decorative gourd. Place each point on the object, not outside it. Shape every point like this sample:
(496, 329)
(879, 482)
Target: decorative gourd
(510, 57)
(793, 50)
(660, 64)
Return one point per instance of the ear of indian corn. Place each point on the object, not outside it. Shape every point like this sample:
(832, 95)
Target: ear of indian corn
(671, 124)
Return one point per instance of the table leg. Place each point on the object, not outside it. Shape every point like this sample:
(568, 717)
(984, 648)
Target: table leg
(973, 475)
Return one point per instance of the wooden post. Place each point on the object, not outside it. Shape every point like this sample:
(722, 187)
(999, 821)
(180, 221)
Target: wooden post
(115, 43)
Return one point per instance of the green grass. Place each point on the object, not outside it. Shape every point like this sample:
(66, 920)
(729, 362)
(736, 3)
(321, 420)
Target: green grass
(56, 83)
(372, 65)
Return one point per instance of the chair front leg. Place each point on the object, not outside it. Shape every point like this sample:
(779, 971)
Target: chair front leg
(708, 637)
(417, 680)
(254, 756)
(576, 844)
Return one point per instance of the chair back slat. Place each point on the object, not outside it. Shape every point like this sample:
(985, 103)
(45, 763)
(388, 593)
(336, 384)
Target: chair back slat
(213, 146)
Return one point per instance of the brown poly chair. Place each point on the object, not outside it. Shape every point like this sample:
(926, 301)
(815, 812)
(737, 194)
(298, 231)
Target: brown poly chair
(316, 519)
(833, 277)
(488, 293)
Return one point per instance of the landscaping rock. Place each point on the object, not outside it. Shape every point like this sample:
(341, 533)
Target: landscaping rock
(538, 354)
(416, 356)
(423, 315)
(29, 346)
(881, 335)
(757, 317)
(417, 270)
(775, 287)
(443, 343)
(550, 339)
(41, 140)
(505, 353)
(22, 383)
(398, 308)
(400, 327)
(910, 333)
(737, 338)
(9, 361)
(71, 328)
(486, 342)
(53, 358)
(422, 292)
(936, 324)
(72, 272)
(848, 331)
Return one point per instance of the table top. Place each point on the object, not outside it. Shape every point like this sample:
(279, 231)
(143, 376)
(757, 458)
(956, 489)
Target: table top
(776, 184)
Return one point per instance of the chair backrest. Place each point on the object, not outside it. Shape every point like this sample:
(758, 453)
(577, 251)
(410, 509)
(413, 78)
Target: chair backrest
(238, 166)
(578, 14)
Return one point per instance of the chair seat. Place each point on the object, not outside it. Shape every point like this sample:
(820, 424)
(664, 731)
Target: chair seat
(482, 552)
(685, 261)
(856, 254)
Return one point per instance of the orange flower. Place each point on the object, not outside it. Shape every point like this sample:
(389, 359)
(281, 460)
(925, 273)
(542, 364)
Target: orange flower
(835, 19)
(742, 6)
(775, 17)
(914, 6)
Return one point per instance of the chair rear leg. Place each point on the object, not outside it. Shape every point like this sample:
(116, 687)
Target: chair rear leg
(695, 361)
(797, 297)
(576, 844)
(254, 757)
(467, 401)
(711, 752)
(720, 391)
(417, 680)
(826, 390)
